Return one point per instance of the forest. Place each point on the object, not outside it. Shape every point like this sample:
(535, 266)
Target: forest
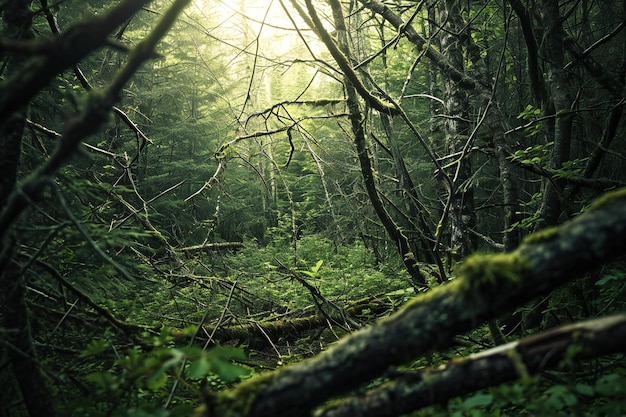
(328, 208)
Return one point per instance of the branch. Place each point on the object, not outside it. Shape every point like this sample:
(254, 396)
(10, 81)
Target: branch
(415, 38)
(127, 328)
(492, 367)
(54, 27)
(552, 174)
(208, 247)
(89, 120)
(92, 243)
(344, 63)
(536, 79)
(485, 287)
(291, 325)
(314, 103)
(593, 67)
(60, 53)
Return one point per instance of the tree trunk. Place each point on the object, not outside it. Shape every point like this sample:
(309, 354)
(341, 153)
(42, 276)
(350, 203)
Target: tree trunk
(357, 122)
(511, 362)
(19, 346)
(18, 26)
(485, 286)
(456, 128)
(560, 133)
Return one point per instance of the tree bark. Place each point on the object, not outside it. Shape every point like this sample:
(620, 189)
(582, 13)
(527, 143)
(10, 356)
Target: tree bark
(18, 23)
(14, 316)
(357, 122)
(537, 87)
(506, 363)
(485, 287)
(19, 344)
(456, 129)
(560, 133)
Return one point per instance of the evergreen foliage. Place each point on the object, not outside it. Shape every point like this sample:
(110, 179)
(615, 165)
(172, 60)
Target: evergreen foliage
(270, 182)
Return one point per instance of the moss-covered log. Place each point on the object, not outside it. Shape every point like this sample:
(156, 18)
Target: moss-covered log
(505, 363)
(485, 286)
(260, 334)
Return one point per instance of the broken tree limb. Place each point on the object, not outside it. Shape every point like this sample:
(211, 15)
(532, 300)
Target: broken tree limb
(258, 333)
(60, 53)
(485, 287)
(210, 247)
(505, 363)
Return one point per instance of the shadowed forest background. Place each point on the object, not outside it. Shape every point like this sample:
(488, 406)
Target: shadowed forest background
(325, 208)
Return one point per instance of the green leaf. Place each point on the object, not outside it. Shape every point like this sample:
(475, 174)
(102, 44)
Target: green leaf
(104, 380)
(317, 266)
(560, 396)
(176, 357)
(95, 347)
(199, 368)
(477, 400)
(611, 385)
(606, 279)
(585, 389)
(159, 377)
(229, 371)
(157, 381)
(220, 360)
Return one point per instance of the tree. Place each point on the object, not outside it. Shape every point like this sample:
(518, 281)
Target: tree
(354, 88)
(325, 193)
(22, 85)
(486, 286)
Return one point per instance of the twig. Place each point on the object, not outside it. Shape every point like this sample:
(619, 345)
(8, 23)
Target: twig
(119, 268)
(93, 115)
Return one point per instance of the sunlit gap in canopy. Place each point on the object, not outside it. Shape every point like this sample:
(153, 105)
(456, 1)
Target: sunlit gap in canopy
(265, 48)
(265, 20)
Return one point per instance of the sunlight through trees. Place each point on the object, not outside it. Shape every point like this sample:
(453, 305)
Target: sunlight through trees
(304, 207)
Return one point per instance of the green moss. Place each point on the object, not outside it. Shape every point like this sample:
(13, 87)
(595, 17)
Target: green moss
(238, 401)
(544, 235)
(426, 297)
(608, 199)
(478, 270)
(550, 233)
(475, 274)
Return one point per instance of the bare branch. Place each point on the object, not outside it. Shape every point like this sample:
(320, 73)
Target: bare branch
(62, 52)
(93, 115)
(485, 287)
(344, 63)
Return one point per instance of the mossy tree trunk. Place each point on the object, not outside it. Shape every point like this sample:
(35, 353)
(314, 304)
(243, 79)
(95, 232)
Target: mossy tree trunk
(411, 391)
(462, 215)
(485, 287)
(559, 105)
(18, 343)
(22, 84)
